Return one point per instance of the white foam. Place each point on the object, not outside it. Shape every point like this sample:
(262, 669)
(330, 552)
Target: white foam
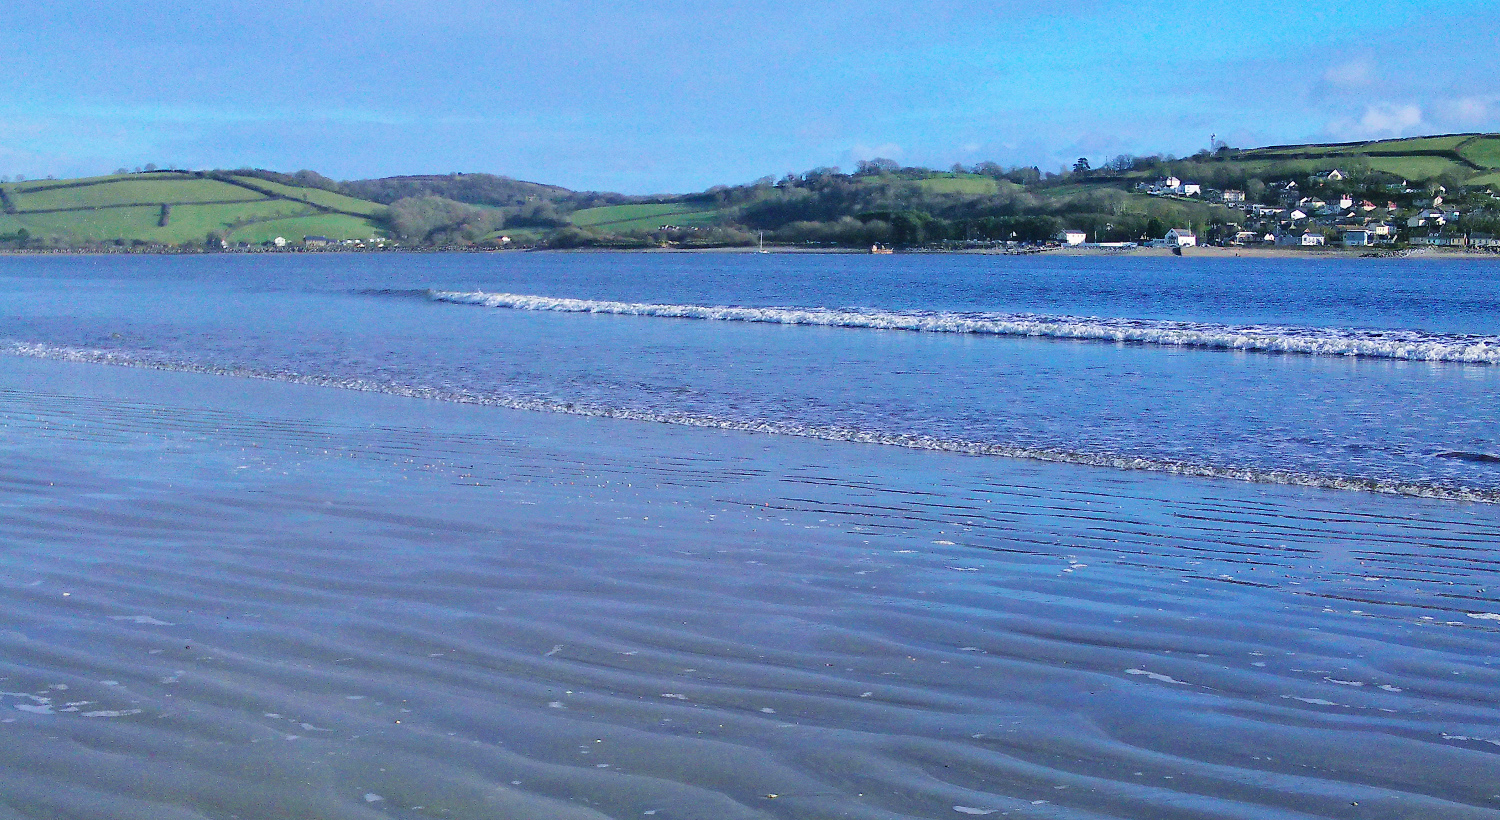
(144, 620)
(1447, 736)
(1409, 345)
(1156, 677)
(1313, 701)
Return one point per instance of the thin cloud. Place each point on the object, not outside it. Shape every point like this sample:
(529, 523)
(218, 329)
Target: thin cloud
(1380, 120)
(1469, 112)
(1356, 73)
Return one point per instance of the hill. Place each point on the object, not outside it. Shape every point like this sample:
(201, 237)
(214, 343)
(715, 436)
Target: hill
(175, 208)
(1393, 186)
(1452, 160)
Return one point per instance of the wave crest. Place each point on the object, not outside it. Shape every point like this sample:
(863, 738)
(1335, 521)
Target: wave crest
(1405, 345)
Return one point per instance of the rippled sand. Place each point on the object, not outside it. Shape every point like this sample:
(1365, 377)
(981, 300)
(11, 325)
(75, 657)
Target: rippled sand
(228, 598)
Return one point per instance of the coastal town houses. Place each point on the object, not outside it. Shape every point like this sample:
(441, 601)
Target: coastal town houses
(1427, 218)
(1478, 241)
(1171, 186)
(1331, 207)
(1440, 241)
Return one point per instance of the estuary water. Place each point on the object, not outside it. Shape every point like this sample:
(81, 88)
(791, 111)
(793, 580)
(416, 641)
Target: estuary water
(740, 535)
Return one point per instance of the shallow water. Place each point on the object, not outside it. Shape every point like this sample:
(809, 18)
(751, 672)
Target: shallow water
(230, 597)
(1181, 370)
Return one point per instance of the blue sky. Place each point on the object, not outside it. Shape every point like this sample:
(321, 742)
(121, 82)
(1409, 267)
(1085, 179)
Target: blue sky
(676, 96)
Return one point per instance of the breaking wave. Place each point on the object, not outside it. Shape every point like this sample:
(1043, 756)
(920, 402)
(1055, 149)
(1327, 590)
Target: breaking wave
(822, 432)
(1406, 345)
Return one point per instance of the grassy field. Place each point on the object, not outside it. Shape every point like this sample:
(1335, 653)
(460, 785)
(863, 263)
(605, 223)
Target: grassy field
(1296, 151)
(1447, 143)
(1418, 168)
(187, 223)
(1421, 144)
(1492, 180)
(1483, 151)
(518, 236)
(85, 226)
(48, 183)
(959, 184)
(130, 191)
(333, 226)
(644, 217)
(318, 196)
(129, 207)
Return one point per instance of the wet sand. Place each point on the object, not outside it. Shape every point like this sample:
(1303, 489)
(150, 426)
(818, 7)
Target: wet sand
(233, 598)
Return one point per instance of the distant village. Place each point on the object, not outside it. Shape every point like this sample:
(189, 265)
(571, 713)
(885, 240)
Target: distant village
(1300, 218)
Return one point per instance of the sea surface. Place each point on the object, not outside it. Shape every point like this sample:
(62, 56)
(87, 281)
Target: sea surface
(748, 536)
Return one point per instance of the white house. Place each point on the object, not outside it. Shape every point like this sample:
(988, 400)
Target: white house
(1192, 189)
(1297, 215)
(1072, 237)
(1358, 237)
(1305, 239)
(1181, 238)
(1345, 202)
(1172, 183)
(279, 242)
(1427, 217)
(1234, 196)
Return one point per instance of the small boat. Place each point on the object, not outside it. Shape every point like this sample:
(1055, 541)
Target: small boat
(763, 242)
(881, 249)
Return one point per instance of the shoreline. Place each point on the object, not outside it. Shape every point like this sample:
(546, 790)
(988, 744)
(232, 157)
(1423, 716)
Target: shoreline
(1200, 252)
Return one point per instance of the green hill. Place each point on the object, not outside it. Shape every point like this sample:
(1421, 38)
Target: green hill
(645, 216)
(176, 208)
(1393, 181)
(1457, 158)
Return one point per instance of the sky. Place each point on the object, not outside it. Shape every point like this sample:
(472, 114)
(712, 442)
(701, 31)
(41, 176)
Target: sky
(673, 96)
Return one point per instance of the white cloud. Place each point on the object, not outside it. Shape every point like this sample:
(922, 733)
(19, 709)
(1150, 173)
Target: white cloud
(1352, 74)
(1393, 119)
(1381, 119)
(1467, 112)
